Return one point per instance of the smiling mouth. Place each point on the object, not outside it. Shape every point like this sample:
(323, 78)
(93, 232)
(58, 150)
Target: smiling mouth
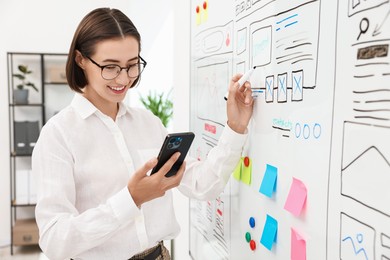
(117, 90)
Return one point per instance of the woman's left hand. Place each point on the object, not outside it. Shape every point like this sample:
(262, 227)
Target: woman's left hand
(239, 105)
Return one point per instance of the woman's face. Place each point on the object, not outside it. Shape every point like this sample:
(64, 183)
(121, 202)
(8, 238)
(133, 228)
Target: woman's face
(108, 92)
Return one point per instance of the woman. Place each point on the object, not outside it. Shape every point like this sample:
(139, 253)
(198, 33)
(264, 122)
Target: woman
(95, 198)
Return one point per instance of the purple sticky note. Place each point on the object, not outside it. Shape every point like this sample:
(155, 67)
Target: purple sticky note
(296, 197)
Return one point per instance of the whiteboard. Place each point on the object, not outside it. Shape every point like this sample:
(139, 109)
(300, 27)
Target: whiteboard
(314, 178)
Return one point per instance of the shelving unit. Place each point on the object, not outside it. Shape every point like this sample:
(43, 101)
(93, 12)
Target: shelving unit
(25, 122)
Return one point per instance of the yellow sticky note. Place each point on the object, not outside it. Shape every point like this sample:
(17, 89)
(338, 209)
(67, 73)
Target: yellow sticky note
(198, 17)
(246, 176)
(237, 171)
(205, 11)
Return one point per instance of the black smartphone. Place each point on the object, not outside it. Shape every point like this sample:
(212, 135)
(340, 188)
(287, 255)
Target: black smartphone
(175, 142)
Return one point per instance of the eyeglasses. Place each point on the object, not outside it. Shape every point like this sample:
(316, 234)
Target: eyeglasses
(111, 71)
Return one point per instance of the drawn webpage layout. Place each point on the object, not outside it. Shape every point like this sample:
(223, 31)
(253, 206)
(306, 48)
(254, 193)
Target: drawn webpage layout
(360, 170)
(312, 180)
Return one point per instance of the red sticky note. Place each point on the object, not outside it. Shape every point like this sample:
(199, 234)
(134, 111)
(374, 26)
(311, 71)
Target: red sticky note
(298, 246)
(296, 197)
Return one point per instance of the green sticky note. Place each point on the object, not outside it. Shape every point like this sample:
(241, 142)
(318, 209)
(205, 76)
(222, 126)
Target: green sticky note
(246, 176)
(237, 171)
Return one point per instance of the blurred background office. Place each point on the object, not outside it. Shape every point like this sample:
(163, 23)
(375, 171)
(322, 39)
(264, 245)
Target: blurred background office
(45, 26)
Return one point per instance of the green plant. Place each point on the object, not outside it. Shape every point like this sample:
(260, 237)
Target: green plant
(24, 71)
(159, 105)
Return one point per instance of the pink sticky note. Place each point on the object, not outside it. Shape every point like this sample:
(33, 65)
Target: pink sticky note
(298, 246)
(296, 197)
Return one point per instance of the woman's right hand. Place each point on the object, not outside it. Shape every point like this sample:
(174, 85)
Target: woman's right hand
(144, 188)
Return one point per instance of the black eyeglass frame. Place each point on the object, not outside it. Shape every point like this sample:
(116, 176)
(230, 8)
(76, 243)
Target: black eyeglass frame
(144, 63)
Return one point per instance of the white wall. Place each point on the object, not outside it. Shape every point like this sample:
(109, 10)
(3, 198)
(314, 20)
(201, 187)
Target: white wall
(155, 24)
(181, 97)
(48, 26)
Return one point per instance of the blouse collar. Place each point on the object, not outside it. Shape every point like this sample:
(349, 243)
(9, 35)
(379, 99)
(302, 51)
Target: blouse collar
(85, 108)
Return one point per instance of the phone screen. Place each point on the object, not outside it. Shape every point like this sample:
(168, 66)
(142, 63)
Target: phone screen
(175, 142)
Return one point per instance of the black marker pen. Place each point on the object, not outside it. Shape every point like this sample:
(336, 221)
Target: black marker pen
(242, 80)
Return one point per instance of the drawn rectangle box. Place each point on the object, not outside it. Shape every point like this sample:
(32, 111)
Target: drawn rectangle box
(269, 89)
(297, 86)
(261, 46)
(282, 87)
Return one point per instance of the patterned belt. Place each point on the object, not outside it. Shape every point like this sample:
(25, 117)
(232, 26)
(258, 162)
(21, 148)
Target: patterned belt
(149, 254)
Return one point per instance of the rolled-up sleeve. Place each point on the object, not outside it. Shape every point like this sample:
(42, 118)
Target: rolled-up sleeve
(205, 180)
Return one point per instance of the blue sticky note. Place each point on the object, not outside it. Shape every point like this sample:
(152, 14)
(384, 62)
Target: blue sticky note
(269, 232)
(268, 185)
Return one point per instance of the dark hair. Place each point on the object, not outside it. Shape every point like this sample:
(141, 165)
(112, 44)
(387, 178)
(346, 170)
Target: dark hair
(100, 24)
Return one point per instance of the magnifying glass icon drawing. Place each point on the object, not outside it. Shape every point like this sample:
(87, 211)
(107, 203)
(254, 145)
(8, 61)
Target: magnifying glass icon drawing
(363, 27)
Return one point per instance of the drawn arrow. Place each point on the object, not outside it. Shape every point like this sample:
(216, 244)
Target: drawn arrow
(378, 28)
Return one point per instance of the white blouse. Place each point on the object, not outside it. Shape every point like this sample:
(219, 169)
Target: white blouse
(82, 163)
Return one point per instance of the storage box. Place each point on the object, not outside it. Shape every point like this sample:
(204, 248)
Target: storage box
(25, 232)
(25, 192)
(26, 135)
(56, 74)
(22, 179)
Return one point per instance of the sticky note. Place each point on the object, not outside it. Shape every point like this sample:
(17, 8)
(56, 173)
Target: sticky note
(246, 175)
(205, 11)
(296, 197)
(269, 232)
(268, 185)
(298, 246)
(237, 171)
(197, 15)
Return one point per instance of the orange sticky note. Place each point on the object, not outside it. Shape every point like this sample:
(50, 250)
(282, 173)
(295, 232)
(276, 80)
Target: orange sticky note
(296, 197)
(298, 246)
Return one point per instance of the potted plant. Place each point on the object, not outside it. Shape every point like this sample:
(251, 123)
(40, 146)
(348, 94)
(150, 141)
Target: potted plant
(159, 105)
(21, 92)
